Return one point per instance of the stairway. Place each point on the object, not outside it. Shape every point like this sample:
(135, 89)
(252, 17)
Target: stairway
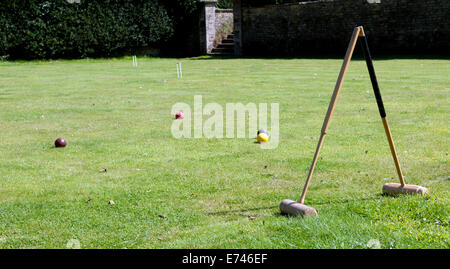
(226, 46)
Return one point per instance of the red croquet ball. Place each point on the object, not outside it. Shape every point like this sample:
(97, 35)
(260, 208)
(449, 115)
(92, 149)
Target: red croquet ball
(60, 143)
(179, 115)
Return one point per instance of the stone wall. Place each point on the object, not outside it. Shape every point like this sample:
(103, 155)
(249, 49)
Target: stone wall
(207, 25)
(237, 25)
(326, 26)
(223, 24)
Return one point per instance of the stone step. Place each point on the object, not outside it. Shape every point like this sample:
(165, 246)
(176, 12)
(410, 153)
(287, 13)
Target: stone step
(228, 41)
(222, 53)
(223, 50)
(225, 45)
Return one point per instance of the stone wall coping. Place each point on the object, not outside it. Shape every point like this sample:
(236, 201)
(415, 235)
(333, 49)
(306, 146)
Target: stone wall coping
(227, 10)
(209, 1)
(298, 3)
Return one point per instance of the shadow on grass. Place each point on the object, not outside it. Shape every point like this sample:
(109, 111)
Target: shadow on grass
(345, 201)
(357, 56)
(239, 212)
(313, 56)
(50, 147)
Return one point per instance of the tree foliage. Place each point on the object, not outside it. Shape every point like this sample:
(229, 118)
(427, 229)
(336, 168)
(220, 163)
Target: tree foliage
(225, 4)
(53, 29)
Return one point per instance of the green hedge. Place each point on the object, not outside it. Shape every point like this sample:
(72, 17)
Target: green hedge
(32, 29)
(224, 4)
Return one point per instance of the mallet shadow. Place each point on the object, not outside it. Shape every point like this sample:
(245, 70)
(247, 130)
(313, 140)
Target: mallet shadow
(344, 201)
(239, 212)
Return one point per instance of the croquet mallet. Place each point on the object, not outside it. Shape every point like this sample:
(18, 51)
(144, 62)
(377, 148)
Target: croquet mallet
(299, 208)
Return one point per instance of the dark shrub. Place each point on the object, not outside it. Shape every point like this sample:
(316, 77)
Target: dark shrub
(53, 29)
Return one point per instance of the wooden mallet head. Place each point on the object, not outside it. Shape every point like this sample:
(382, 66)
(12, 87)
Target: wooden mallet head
(294, 208)
(396, 188)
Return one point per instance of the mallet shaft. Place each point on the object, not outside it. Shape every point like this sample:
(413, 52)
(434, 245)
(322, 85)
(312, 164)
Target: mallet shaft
(393, 151)
(373, 77)
(340, 80)
(376, 91)
(326, 122)
(311, 169)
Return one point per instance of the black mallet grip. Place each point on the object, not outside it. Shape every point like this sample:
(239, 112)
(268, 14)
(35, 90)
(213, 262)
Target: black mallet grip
(373, 77)
(376, 90)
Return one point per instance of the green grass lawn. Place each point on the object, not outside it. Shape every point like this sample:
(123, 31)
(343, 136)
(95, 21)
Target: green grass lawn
(217, 193)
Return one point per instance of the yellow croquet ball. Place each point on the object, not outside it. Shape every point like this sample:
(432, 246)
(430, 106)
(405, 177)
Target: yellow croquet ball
(262, 137)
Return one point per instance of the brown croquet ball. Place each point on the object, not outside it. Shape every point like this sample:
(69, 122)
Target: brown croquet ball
(60, 143)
